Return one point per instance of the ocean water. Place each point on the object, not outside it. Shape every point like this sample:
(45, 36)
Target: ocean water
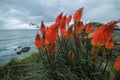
(11, 39)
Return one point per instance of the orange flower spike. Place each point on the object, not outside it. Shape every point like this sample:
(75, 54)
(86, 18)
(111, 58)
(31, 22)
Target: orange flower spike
(99, 36)
(59, 17)
(69, 19)
(63, 29)
(79, 27)
(42, 28)
(98, 39)
(43, 38)
(110, 44)
(109, 29)
(64, 17)
(78, 14)
(69, 32)
(38, 41)
(89, 28)
(63, 26)
(51, 33)
(117, 64)
(103, 33)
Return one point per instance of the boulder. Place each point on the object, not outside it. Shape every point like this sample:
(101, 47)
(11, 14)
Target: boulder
(18, 52)
(21, 50)
(25, 49)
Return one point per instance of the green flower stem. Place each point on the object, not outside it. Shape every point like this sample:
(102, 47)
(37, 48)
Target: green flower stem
(87, 47)
(70, 73)
(42, 58)
(107, 61)
(76, 44)
(100, 64)
(40, 53)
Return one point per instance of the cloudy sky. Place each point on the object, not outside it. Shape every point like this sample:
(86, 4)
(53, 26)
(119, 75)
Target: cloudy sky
(19, 13)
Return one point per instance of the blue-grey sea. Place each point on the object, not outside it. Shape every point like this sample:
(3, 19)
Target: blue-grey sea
(11, 39)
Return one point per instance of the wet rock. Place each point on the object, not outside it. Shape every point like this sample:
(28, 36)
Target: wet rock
(25, 49)
(15, 49)
(20, 49)
(19, 52)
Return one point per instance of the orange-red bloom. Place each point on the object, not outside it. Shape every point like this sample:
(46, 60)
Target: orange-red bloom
(109, 44)
(98, 39)
(51, 33)
(42, 28)
(79, 27)
(59, 17)
(38, 41)
(117, 64)
(69, 19)
(110, 28)
(63, 26)
(103, 33)
(89, 28)
(78, 14)
(69, 32)
(64, 18)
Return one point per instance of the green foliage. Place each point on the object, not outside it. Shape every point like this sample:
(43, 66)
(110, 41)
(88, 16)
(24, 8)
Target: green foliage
(31, 68)
(19, 69)
(97, 24)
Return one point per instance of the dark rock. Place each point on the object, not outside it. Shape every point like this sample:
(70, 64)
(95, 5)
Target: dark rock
(21, 49)
(25, 49)
(18, 52)
(15, 49)
(117, 43)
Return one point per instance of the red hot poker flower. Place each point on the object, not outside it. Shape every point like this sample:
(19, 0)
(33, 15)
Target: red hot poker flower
(110, 28)
(89, 28)
(69, 19)
(42, 28)
(103, 33)
(117, 64)
(109, 44)
(69, 32)
(64, 19)
(59, 17)
(38, 41)
(79, 27)
(51, 33)
(98, 39)
(63, 26)
(78, 14)
(99, 36)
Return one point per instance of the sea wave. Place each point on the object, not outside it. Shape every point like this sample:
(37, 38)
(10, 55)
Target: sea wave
(15, 38)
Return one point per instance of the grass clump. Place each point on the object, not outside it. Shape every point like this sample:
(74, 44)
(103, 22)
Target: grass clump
(21, 69)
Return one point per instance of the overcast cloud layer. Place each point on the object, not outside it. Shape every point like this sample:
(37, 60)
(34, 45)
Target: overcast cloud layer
(19, 13)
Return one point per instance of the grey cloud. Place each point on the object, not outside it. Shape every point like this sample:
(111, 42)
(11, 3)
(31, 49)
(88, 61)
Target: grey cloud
(26, 11)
